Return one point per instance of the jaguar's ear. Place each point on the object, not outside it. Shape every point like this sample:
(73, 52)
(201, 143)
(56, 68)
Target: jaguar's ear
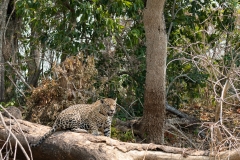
(101, 100)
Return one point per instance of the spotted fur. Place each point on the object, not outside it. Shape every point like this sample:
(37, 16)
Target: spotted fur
(82, 117)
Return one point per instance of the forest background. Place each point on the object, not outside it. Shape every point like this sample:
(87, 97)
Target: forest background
(109, 40)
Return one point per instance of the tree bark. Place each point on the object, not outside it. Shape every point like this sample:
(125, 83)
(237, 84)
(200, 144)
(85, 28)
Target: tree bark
(10, 50)
(154, 96)
(3, 15)
(34, 61)
(70, 145)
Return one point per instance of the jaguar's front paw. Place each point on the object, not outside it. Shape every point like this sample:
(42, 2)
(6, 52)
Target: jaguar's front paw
(95, 133)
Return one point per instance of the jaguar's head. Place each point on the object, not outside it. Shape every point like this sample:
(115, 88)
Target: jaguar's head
(108, 106)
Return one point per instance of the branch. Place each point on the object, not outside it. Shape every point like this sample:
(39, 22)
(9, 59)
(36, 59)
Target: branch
(10, 133)
(19, 75)
(179, 76)
(16, 86)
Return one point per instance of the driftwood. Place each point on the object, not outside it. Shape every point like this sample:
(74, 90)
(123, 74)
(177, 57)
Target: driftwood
(69, 145)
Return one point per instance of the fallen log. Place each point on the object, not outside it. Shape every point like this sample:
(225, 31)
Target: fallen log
(70, 145)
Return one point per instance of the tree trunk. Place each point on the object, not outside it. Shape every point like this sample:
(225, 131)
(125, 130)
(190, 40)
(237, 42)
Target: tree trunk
(10, 50)
(71, 146)
(3, 15)
(34, 61)
(34, 70)
(154, 97)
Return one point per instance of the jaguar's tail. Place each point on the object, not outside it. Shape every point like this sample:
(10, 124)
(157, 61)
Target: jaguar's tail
(44, 137)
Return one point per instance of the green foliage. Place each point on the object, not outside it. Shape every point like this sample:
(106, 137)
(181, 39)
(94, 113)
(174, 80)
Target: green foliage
(112, 31)
(197, 28)
(123, 136)
(188, 83)
(9, 103)
(73, 26)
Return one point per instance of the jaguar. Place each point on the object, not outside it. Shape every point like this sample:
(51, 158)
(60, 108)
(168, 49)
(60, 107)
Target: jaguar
(84, 117)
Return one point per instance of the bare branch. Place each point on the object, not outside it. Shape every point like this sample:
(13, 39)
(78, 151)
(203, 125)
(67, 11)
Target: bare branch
(19, 75)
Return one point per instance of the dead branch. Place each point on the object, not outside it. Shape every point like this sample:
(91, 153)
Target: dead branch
(10, 134)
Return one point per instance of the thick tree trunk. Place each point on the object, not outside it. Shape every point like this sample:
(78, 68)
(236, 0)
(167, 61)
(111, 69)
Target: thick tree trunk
(154, 97)
(10, 50)
(68, 145)
(3, 15)
(34, 61)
